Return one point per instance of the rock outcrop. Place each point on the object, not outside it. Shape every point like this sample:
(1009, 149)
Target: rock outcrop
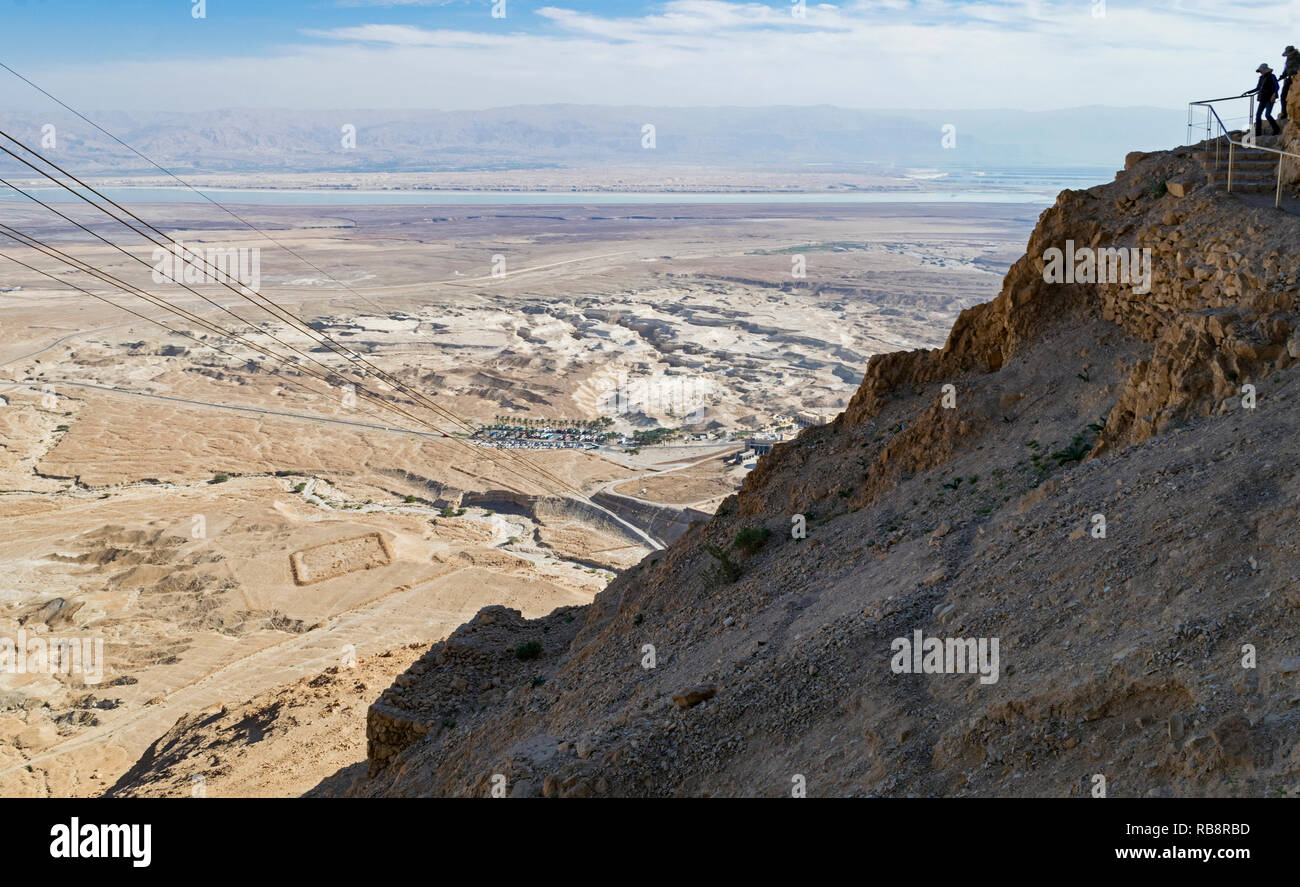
(1093, 478)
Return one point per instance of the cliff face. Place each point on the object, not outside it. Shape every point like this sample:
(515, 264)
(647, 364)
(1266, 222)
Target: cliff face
(1095, 474)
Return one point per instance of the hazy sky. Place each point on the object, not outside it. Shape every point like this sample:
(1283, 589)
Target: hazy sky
(451, 54)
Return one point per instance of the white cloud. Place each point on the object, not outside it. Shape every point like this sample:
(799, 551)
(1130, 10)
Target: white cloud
(871, 53)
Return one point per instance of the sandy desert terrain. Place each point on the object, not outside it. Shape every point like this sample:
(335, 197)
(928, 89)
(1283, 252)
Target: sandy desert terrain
(227, 525)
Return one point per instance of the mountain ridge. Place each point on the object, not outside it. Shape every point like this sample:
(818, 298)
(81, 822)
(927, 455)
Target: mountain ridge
(570, 136)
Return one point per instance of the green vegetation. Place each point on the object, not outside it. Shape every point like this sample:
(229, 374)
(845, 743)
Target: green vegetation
(219, 478)
(654, 436)
(528, 650)
(750, 539)
(1079, 447)
(727, 570)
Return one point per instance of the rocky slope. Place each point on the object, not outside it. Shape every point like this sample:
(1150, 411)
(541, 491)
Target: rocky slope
(971, 511)
(275, 744)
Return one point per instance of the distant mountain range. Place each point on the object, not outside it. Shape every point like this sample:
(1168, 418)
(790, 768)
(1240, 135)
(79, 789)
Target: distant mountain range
(575, 136)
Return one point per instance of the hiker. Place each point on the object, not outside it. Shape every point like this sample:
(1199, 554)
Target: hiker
(1289, 71)
(1266, 92)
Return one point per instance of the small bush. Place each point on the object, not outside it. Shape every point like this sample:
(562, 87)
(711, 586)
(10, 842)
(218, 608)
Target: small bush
(750, 539)
(1078, 448)
(529, 650)
(727, 571)
(219, 478)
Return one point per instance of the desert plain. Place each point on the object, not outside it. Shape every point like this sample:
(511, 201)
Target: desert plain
(265, 547)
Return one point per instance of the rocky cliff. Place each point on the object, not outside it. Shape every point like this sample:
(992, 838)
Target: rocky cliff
(1093, 477)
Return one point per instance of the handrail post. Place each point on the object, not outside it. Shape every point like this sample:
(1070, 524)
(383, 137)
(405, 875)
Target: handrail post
(1247, 141)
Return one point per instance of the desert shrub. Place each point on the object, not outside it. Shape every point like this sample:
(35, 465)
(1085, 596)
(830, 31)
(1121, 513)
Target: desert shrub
(727, 570)
(750, 539)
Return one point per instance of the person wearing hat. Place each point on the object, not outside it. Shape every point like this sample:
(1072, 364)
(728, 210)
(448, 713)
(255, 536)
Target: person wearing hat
(1266, 91)
(1289, 70)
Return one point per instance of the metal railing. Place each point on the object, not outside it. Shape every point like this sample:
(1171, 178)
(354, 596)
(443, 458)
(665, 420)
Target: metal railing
(1225, 135)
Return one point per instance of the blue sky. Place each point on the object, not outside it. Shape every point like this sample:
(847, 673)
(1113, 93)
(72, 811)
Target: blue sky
(1029, 54)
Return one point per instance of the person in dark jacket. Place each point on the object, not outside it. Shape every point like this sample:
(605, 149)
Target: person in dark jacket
(1289, 71)
(1266, 92)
